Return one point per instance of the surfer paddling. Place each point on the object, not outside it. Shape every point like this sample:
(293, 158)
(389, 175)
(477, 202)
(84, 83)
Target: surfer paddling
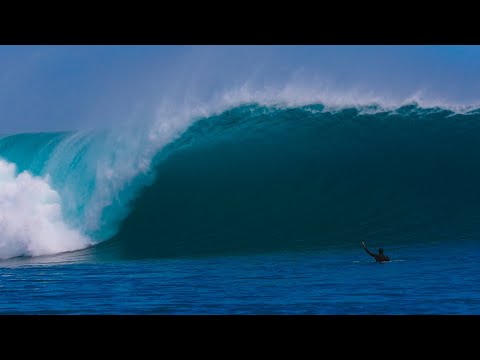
(380, 257)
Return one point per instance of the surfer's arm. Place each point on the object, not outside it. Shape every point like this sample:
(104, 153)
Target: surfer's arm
(368, 252)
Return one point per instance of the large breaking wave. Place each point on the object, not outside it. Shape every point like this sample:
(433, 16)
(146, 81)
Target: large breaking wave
(249, 178)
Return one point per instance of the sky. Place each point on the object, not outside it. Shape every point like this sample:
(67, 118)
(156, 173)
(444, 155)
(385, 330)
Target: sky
(56, 88)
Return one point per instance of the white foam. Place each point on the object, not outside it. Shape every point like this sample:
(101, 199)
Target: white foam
(31, 221)
(296, 94)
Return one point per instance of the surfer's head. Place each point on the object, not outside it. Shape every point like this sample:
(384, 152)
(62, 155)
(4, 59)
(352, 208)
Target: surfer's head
(380, 251)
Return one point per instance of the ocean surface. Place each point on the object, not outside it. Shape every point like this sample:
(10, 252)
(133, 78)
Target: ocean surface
(254, 209)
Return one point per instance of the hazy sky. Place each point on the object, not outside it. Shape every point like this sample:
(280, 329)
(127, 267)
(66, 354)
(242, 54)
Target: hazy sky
(45, 88)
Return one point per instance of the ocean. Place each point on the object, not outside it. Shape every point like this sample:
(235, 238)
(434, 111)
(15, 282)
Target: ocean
(255, 209)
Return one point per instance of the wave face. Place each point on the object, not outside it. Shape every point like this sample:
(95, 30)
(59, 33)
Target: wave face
(262, 178)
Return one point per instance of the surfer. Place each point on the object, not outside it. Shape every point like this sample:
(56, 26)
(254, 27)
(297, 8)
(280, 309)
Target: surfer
(380, 257)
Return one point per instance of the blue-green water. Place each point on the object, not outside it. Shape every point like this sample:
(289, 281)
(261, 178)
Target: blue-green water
(254, 210)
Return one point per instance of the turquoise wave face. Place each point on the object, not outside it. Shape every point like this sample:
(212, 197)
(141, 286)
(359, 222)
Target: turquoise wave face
(258, 178)
(94, 178)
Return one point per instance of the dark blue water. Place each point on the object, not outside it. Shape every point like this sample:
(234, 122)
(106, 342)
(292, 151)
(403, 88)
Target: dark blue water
(427, 279)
